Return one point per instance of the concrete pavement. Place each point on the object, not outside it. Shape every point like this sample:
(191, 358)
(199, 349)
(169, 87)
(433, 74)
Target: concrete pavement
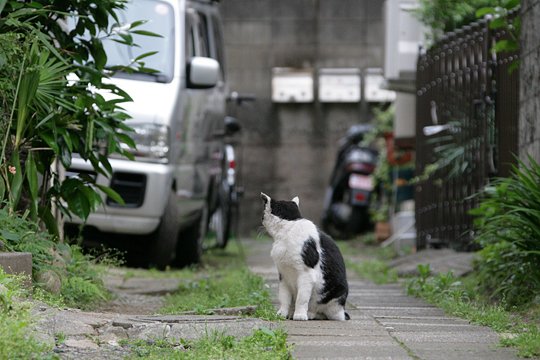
(385, 324)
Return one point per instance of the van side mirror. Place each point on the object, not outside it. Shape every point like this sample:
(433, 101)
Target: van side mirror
(202, 73)
(231, 125)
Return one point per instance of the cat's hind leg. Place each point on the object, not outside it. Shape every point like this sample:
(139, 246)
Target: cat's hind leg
(335, 311)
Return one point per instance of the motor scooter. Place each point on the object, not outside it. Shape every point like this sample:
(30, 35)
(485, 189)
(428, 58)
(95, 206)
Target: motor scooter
(351, 186)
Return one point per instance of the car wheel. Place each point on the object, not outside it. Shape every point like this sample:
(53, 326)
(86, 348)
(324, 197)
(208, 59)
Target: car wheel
(162, 242)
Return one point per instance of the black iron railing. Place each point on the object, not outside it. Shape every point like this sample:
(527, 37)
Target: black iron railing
(467, 101)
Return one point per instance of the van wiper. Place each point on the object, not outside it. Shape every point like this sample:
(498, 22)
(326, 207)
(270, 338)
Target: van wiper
(155, 77)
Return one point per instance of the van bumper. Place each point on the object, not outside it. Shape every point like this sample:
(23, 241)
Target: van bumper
(145, 187)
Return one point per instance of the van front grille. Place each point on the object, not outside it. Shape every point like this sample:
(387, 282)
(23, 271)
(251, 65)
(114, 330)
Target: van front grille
(131, 187)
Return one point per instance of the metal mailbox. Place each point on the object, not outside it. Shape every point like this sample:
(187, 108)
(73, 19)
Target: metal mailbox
(339, 85)
(291, 85)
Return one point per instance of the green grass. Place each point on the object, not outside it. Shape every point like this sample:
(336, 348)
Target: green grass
(262, 344)
(224, 281)
(16, 338)
(368, 262)
(373, 270)
(459, 298)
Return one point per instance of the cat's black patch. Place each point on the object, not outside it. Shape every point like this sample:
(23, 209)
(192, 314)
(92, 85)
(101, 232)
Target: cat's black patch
(347, 317)
(287, 210)
(333, 270)
(310, 255)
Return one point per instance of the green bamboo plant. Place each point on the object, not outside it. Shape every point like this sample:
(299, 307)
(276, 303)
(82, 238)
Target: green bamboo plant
(45, 118)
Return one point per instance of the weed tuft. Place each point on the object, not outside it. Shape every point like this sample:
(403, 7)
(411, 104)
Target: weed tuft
(262, 344)
(16, 339)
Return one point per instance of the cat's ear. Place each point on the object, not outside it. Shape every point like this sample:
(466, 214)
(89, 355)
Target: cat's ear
(296, 200)
(265, 198)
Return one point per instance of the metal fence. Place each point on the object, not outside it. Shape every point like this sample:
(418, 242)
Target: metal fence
(468, 101)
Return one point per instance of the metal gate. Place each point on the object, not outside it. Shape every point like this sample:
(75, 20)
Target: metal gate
(467, 101)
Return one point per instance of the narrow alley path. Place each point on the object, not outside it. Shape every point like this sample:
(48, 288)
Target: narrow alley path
(385, 324)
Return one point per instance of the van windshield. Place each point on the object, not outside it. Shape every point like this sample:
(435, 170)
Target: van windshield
(159, 17)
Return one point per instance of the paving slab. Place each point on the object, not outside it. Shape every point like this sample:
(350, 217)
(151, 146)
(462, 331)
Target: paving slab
(386, 323)
(440, 261)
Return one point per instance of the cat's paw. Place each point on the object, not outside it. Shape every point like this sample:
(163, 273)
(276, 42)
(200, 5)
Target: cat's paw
(301, 317)
(283, 313)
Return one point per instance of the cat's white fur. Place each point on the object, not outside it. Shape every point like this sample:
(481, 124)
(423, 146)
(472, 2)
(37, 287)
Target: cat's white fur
(301, 286)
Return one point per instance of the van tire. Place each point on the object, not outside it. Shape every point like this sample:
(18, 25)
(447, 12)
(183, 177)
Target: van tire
(190, 241)
(162, 242)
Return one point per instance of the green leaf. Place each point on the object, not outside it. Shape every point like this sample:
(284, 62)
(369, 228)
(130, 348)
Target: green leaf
(2, 189)
(505, 46)
(267, 331)
(126, 139)
(106, 164)
(49, 220)
(2, 5)
(510, 4)
(98, 53)
(497, 23)
(50, 141)
(65, 157)
(145, 55)
(146, 33)
(79, 205)
(16, 181)
(480, 13)
(33, 184)
(101, 17)
(69, 186)
(111, 193)
(137, 23)
(8, 235)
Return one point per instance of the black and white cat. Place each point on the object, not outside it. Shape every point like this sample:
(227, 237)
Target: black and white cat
(312, 277)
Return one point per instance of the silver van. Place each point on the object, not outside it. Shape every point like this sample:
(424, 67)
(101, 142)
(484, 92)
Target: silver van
(178, 117)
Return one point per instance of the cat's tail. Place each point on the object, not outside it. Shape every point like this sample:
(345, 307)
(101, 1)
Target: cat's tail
(347, 317)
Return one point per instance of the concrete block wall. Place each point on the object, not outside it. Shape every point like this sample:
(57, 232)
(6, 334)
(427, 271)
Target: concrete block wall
(289, 149)
(529, 103)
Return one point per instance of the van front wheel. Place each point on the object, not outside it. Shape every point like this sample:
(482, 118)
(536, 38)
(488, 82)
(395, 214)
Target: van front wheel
(162, 242)
(190, 241)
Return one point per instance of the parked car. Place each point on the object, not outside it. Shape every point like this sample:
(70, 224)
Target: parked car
(178, 115)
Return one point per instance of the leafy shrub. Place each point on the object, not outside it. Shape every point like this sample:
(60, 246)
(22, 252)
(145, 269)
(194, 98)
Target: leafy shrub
(508, 224)
(61, 270)
(442, 16)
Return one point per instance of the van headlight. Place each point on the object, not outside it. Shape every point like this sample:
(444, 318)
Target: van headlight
(152, 142)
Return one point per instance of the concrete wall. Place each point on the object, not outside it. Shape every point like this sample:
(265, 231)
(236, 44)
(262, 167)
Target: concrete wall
(529, 104)
(289, 149)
